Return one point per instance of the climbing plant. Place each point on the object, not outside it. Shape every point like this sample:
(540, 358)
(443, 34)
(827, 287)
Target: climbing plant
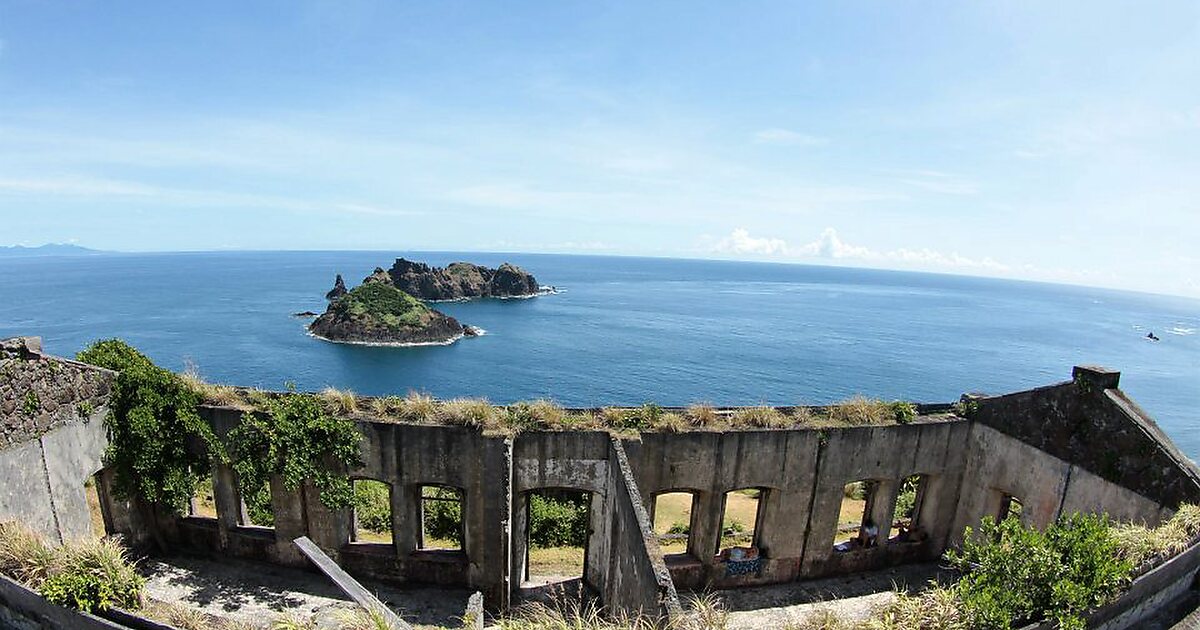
(297, 439)
(151, 419)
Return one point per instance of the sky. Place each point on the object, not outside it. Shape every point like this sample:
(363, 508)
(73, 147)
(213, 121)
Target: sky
(1054, 141)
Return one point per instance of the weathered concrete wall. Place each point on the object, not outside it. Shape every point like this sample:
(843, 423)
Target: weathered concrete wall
(637, 580)
(1048, 487)
(1091, 423)
(52, 437)
(1032, 445)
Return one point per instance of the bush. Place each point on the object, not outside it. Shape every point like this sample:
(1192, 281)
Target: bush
(373, 505)
(90, 575)
(152, 417)
(259, 507)
(1017, 574)
(95, 575)
(558, 519)
(443, 519)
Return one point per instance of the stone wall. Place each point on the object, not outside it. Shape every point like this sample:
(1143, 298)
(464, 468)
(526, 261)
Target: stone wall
(52, 437)
(39, 393)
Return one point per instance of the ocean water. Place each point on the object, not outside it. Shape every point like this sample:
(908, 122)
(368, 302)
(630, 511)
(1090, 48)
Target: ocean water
(626, 330)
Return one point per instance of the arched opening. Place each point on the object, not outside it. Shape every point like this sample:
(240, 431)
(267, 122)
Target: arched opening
(372, 512)
(441, 514)
(203, 503)
(855, 528)
(98, 517)
(908, 519)
(672, 513)
(741, 516)
(557, 531)
(256, 509)
(1010, 506)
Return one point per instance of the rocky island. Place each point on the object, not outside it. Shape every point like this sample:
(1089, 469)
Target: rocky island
(457, 281)
(376, 313)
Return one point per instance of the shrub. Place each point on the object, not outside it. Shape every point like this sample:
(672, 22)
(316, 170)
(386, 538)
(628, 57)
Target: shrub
(558, 519)
(151, 419)
(1016, 574)
(93, 575)
(373, 505)
(903, 412)
(443, 519)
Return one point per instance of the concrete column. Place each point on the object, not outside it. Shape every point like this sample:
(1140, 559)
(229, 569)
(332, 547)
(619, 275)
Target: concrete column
(882, 505)
(328, 528)
(288, 506)
(227, 502)
(406, 511)
(706, 535)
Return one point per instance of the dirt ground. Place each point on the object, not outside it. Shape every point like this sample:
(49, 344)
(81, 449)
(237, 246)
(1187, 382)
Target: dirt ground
(850, 597)
(258, 594)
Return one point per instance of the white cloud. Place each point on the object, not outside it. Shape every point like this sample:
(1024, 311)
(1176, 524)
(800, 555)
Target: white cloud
(786, 137)
(739, 241)
(829, 245)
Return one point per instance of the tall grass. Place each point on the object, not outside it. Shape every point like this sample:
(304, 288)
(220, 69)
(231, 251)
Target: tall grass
(860, 410)
(1142, 546)
(760, 418)
(340, 401)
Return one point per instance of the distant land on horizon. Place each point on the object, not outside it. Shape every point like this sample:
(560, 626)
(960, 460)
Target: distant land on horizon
(49, 249)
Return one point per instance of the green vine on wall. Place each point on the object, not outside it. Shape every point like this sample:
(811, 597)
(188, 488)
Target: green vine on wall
(297, 439)
(152, 416)
(153, 420)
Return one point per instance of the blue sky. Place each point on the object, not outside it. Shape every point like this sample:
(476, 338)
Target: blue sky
(1050, 141)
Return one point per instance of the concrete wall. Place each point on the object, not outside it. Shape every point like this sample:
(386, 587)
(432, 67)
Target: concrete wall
(52, 438)
(1091, 423)
(1048, 487)
(967, 467)
(637, 579)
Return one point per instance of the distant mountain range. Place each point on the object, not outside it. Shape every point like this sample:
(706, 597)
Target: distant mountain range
(49, 249)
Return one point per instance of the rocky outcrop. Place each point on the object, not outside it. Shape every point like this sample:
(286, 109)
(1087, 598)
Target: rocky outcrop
(379, 313)
(338, 290)
(457, 281)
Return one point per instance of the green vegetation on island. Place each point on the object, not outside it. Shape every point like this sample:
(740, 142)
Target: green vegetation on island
(379, 313)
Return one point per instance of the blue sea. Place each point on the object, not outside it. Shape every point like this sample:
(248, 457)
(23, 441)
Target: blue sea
(626, 330)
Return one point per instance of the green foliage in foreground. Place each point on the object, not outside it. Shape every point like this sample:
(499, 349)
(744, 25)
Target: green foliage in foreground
(1017, 574)
(89, 575)
(298, 440)
(152, 417)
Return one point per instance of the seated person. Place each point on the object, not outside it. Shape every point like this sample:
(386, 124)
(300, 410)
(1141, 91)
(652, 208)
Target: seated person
(868, 534)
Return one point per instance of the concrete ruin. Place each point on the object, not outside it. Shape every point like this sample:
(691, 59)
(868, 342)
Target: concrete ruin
(1078, 446)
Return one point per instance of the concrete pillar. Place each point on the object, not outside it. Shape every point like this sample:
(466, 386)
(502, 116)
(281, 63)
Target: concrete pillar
(882, 505)
(706, 536)
(328, 528)
(226, 501)
(288, 506)
(406, 511)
